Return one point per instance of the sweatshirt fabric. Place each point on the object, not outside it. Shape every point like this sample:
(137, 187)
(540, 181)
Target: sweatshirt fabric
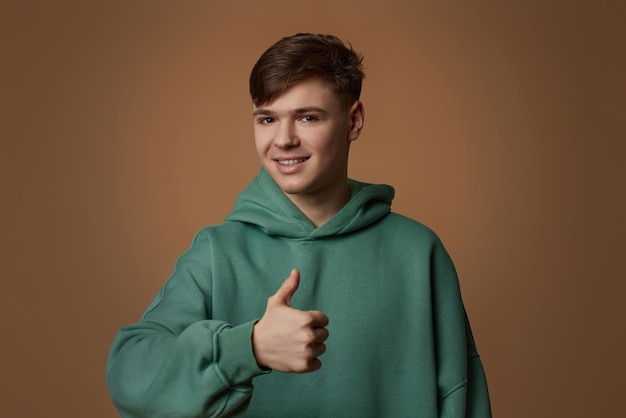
(400, 344)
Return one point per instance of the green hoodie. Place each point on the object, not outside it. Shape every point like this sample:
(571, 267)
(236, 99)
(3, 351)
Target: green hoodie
(399, 346)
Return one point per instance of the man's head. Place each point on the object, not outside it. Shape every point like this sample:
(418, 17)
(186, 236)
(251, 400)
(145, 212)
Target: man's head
(306, 56)
(306, 114)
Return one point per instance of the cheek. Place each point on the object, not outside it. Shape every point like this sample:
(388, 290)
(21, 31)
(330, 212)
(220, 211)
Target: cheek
(260, 141)
(337, 143)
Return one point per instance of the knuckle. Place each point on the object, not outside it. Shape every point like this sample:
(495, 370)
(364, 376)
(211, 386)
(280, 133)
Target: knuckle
(307, 335)
(306, 353)
(302, 367)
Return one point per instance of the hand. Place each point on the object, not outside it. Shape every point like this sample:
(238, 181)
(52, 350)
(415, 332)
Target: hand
(287, 339)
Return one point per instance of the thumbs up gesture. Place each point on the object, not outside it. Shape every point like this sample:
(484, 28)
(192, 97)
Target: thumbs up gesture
(287, 339)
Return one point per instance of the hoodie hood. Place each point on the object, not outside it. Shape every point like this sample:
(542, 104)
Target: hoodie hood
(263, 204)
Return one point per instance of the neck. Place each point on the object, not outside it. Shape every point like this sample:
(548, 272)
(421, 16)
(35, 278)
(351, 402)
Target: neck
(319, 209)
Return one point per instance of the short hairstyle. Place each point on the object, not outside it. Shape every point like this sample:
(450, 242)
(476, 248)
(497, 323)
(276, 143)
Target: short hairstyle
(305, 56)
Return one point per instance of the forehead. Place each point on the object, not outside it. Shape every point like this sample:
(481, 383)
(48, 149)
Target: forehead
(306, 93)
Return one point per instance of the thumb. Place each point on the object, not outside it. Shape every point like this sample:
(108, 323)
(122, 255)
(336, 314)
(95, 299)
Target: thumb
(287, 289)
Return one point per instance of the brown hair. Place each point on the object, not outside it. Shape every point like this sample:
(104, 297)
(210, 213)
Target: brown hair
(305, 56)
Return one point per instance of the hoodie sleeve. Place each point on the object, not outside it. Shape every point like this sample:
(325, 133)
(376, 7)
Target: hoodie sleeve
(461, 379)
(177, 361)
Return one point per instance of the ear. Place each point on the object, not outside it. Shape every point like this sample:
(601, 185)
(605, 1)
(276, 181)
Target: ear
(357, 119)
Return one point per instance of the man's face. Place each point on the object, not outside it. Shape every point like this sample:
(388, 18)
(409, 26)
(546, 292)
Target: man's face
(302, 138)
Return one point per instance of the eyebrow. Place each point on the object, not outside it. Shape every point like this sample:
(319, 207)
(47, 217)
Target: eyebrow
(300, 110)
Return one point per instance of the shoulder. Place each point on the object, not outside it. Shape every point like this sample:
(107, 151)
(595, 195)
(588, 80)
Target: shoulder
(404, 225)
(407, 236)
(227, 235)
(225, 228)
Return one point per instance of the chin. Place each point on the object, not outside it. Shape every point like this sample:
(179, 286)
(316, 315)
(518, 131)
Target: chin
(290, 189)
(286, 185)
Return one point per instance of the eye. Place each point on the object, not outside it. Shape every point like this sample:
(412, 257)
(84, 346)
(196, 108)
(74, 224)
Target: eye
(308, 118)
(265, 121)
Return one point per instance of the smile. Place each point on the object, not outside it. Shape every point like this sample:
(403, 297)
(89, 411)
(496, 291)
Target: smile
(291, 162)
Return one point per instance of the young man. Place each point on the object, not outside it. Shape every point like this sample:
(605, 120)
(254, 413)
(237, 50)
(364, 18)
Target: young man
(370, 293)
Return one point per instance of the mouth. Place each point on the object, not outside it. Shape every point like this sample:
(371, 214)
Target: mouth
(292, 161)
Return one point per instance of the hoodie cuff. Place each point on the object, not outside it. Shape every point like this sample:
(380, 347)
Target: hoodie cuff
(235, 356)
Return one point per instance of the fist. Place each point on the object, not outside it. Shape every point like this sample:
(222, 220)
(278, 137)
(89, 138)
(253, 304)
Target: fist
(287, 339)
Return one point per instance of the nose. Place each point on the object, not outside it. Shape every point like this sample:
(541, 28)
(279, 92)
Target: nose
(286, 136)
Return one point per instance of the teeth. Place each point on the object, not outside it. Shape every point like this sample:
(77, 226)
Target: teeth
(290, 162)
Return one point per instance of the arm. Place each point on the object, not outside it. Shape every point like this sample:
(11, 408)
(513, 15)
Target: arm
(470, 399)
(177, 361)
(461, 378)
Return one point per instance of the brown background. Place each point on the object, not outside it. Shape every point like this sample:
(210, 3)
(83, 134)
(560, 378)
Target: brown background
(126, 127)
